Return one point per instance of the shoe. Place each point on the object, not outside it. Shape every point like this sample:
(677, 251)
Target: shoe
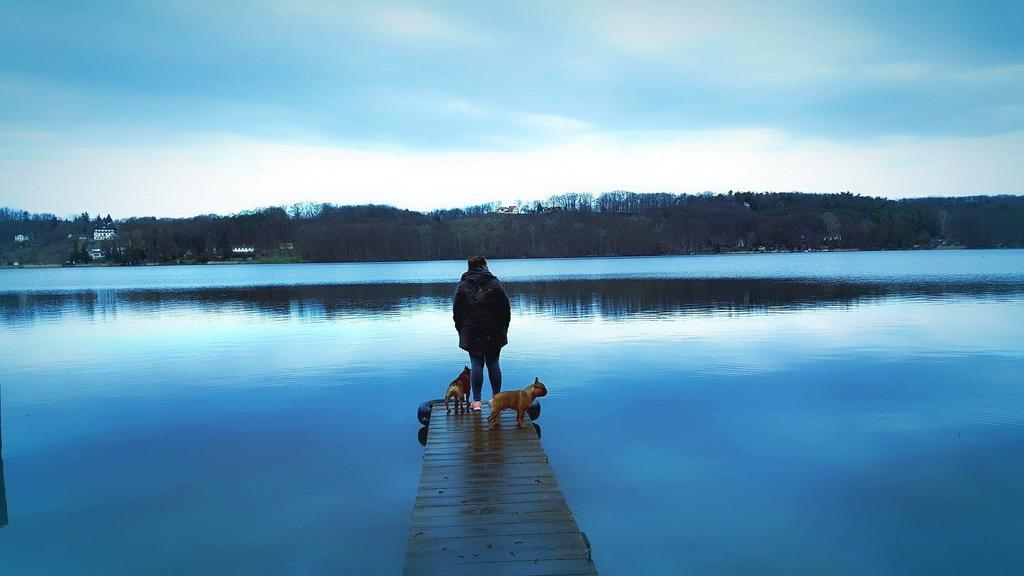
(476, 406)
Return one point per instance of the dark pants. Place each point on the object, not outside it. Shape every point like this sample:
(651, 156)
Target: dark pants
(476, 372)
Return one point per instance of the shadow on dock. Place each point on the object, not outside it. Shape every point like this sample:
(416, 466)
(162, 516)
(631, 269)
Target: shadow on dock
(421, 435)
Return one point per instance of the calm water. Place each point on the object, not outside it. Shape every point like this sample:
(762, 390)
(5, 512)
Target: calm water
(771, 414)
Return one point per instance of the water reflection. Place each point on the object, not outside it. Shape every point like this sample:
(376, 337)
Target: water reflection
(610, 299)
(862, 413)
(3, 485)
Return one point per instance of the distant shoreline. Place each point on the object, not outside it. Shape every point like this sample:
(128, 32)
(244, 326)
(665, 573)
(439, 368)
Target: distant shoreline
(568, 225)
(268, 263)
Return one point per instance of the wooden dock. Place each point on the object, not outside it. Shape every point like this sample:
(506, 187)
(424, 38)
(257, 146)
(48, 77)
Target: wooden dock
(489, 503)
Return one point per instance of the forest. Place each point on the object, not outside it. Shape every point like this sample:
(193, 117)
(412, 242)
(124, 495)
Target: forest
(609, 224)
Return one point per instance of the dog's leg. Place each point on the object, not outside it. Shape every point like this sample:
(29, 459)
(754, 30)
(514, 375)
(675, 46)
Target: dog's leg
(446, 409)
(519, 417)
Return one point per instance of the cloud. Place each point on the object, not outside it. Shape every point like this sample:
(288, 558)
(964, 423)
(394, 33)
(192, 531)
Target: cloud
(902, 71)
(396, 101)
(731, 42)
(898, 71)
(228, 174)
(462, 107)
(552, 122)
(514, 73)
(508, 124)
(403, 22)
(412, 22)
(794, 44)
(993, 74)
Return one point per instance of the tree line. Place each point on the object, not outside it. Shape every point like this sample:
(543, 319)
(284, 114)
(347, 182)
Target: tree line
(609, 224)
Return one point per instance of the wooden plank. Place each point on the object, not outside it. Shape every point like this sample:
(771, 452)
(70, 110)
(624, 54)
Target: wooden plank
(476, 451)
(514, 568)
(485, 460)
(489, 499)
(489, 503)
(485, 471)
(478, 435)
(490, 457)
(474, 542)
(476, 549)
(479, 421)
(421, 522)
(438, 449)
(484, 452)
(557, 505)
(485, 483)
(478, 431)
(477, 491)
(521, 529)
(452, 448)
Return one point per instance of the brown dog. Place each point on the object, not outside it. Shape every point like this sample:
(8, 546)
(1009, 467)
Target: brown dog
(519, 401)
(459, 388)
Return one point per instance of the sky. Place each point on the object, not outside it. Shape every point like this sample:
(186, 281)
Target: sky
(179, 108)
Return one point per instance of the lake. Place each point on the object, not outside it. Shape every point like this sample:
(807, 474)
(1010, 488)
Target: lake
(821, 413)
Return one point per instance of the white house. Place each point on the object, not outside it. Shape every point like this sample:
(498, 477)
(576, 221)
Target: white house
(21, 238)
(105, 232)
(95, 253)
(508, 210)
(243, 250)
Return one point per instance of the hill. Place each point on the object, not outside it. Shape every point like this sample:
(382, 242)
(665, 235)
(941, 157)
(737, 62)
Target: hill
(614, 223)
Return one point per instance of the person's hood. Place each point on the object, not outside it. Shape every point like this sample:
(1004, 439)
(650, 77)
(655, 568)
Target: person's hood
(479, 276)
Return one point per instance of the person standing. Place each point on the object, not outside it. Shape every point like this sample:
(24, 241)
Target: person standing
(482, 311)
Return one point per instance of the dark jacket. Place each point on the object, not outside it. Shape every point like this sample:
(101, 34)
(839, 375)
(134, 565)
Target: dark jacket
(481, 312)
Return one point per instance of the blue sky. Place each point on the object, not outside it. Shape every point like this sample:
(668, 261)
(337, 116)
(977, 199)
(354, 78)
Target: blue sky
(175, 108)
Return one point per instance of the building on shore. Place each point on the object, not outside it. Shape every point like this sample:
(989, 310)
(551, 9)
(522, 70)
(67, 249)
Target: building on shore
(20, 239)
(243, 250)
(95, 254)
(105, 232)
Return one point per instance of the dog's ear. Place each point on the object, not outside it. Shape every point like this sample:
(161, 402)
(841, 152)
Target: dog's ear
(536, 379)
